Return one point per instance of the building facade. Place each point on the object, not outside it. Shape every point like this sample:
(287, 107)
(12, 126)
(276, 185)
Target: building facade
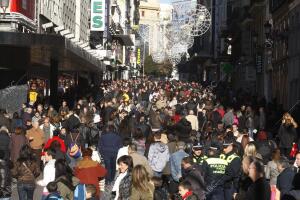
(71, 16)
(150, 19)
(294, 54)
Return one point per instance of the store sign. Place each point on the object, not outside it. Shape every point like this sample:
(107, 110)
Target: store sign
(24, 7)
(138, 59)
(97, 15)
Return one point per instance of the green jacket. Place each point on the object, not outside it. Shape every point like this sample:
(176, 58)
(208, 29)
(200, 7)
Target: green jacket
(138, 195)
(64, 189)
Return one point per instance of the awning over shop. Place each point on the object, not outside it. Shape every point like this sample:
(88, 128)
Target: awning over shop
(30, 50)
(123, 68)
(126, 39)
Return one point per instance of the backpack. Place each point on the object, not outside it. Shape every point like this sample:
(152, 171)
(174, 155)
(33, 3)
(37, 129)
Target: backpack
(74, 149)
(79, 192)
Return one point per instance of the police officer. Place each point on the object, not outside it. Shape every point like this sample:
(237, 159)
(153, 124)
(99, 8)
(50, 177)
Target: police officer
(198, 153)
(214, 169)
(233, 168)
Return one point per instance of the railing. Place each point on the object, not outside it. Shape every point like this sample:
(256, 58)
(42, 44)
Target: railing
(275, 4)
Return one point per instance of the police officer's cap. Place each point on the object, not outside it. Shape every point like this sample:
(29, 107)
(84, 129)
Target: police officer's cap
(214, 146)
(228, 140)
(197, 145)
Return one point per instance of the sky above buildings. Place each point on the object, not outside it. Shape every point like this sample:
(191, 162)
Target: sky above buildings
(165, 1)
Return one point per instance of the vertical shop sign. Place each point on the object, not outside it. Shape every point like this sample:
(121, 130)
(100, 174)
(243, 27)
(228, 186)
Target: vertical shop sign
(97, 15)
(138, 60)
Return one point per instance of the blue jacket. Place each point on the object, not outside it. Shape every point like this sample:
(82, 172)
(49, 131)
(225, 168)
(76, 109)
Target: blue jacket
(109, 143)
(175, 162)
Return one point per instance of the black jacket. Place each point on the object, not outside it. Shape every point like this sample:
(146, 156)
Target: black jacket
(284, 180)
(232, 172)
(183, 129)
(85, 131)
(5, 180)
(287, 135)
(5, 144)
(244, 183)
(260, 189)
(194, 175)
(109, 143)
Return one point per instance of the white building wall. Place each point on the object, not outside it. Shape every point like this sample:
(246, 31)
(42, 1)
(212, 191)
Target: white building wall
(72, 14)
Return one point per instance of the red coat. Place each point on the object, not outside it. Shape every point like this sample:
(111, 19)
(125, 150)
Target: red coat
(89, 172)
(221, 112)
(61, 142)
(176, 118)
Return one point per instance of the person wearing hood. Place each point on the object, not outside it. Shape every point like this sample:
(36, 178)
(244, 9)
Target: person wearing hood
(193, 119)
(158, 155)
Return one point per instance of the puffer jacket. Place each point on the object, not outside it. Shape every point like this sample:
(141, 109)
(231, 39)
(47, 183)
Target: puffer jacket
(65, 188)
(26, 172)
(158, 156)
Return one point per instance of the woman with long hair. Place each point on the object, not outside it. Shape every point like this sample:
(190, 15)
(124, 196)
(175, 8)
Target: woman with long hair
(250, 150)
(26, 170)
(142, 188)
(66, 181)
(287, 134)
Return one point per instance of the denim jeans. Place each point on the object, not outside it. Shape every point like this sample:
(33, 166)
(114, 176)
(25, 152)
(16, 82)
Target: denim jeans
(26, 191)
(110, 165)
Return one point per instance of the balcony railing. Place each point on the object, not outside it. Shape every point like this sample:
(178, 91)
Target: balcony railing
(256, 4)
(275, 4)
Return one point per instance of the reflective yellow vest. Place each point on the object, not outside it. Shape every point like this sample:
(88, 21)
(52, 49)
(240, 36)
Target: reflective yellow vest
(218, 165)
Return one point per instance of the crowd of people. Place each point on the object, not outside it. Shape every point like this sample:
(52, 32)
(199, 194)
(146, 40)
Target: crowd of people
(149, 140)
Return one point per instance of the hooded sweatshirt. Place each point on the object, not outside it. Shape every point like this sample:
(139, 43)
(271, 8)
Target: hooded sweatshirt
(158, 156)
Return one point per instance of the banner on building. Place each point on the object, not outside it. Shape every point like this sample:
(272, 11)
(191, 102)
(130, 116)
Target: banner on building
(138, 57)
(24, 7)
(97, 15)
(12, 98)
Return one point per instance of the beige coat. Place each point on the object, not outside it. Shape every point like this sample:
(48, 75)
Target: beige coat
(194, 121)
(36, 138)
(141, 160)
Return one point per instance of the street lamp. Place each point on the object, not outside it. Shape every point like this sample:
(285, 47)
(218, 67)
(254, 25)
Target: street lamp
(4, 5)
(268, 29)
(268, 33)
